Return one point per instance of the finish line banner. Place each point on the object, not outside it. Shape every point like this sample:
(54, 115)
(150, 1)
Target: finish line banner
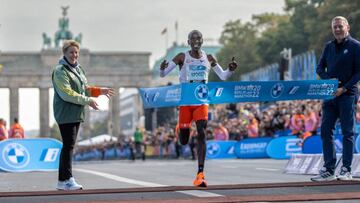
(235, 92)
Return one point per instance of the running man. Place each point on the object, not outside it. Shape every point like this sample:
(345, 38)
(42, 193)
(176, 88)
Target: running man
(194, 67)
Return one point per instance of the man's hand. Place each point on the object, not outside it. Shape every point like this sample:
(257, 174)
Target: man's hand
(339, 91)
(109, 92)
(233, 64)
(164, 65)
(93, 104)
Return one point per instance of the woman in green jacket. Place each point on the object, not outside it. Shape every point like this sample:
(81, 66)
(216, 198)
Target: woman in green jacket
(71, 94)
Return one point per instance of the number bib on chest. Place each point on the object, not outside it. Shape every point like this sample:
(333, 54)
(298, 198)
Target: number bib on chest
(196, 72)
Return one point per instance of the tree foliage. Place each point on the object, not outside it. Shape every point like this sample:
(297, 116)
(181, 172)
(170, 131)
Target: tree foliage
(305, 25)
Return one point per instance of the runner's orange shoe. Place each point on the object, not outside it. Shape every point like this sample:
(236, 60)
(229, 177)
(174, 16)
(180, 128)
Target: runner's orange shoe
(200, 180)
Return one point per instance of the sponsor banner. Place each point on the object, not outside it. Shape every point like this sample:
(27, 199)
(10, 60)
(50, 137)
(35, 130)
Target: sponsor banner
(283, 147)
(220, 149)
(313, 144)
(234, 92)
(18, 155)
(252, 148)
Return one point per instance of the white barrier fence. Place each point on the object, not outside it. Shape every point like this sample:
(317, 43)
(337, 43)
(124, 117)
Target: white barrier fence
(311, 164)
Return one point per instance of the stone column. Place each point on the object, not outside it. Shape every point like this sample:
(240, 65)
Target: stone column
(14, 105)
(44, 112)
(114, 114)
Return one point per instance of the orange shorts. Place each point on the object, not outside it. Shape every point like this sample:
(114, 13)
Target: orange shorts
(188, 114)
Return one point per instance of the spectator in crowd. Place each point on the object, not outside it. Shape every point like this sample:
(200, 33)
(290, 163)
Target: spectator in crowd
(71, 94)
(138, 138)
(221, 133)
(3, 131)
(311, 122)
(252, 126)
(340, 60)
(16, 130)
(297, 124)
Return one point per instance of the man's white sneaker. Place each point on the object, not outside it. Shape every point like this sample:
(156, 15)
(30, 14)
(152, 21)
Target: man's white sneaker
(344, 174)
(69, 185)
(323, 175)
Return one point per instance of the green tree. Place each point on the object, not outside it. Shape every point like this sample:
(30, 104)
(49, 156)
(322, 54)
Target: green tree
(306, 25)
(239, 41)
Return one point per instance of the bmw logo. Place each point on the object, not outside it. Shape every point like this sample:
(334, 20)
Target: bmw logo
(213, 149)
(277, 90)
(201, 92)
(15, 155)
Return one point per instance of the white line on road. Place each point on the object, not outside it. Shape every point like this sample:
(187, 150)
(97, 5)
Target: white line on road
(120, 179)
(267, 169)
(196, 193)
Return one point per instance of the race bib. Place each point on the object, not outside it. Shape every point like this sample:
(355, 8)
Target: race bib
(197, 72)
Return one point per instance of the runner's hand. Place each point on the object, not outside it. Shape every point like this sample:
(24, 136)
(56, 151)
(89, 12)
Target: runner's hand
(233, 64)
(164, 65)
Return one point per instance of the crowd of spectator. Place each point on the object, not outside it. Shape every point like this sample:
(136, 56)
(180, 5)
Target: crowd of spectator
(226, 122)
(16, 131)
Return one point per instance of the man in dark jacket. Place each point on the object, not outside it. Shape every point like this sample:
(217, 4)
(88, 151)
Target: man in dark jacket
(340, 60)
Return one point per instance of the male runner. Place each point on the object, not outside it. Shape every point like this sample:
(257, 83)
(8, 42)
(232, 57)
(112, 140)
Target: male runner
(194, 67)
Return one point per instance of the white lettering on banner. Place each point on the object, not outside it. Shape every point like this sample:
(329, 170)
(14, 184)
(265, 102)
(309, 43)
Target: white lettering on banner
(247, 91)
(219, 91)
(51, 154)
(249, 148)
(155, 96)
(245, 146)
(173, 95)
(231, 150)
(294, 90)
(321, 89)
(292, 147)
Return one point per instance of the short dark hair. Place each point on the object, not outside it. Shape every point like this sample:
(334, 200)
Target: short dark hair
(192, 32)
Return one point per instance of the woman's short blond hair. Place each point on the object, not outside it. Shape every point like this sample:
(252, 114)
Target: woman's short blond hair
(69, 43)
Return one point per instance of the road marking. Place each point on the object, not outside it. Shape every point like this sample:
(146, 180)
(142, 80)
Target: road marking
(196, 193)
(267, 169)
(120, 179)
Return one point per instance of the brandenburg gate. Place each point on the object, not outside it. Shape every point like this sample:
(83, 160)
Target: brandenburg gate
(34, 69)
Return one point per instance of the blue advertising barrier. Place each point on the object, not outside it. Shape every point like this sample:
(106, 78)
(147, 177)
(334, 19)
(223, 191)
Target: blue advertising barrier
(220, 149)
(252, 148)
(357, 144)
(283, 147)
(313, 144)
(19, 155)
(235, 92)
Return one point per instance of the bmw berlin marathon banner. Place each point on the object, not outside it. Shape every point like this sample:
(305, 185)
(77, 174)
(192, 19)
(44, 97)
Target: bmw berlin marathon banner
(235, 92)
(19, 155)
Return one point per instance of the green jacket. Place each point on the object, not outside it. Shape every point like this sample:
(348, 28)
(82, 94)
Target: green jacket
(70, 94)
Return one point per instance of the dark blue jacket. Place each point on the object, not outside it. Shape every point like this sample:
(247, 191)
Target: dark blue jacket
(341, 61)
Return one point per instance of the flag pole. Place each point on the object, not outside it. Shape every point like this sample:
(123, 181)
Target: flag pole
(176, 32)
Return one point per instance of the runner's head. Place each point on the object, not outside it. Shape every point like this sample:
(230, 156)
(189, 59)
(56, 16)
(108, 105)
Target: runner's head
(195, 40)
